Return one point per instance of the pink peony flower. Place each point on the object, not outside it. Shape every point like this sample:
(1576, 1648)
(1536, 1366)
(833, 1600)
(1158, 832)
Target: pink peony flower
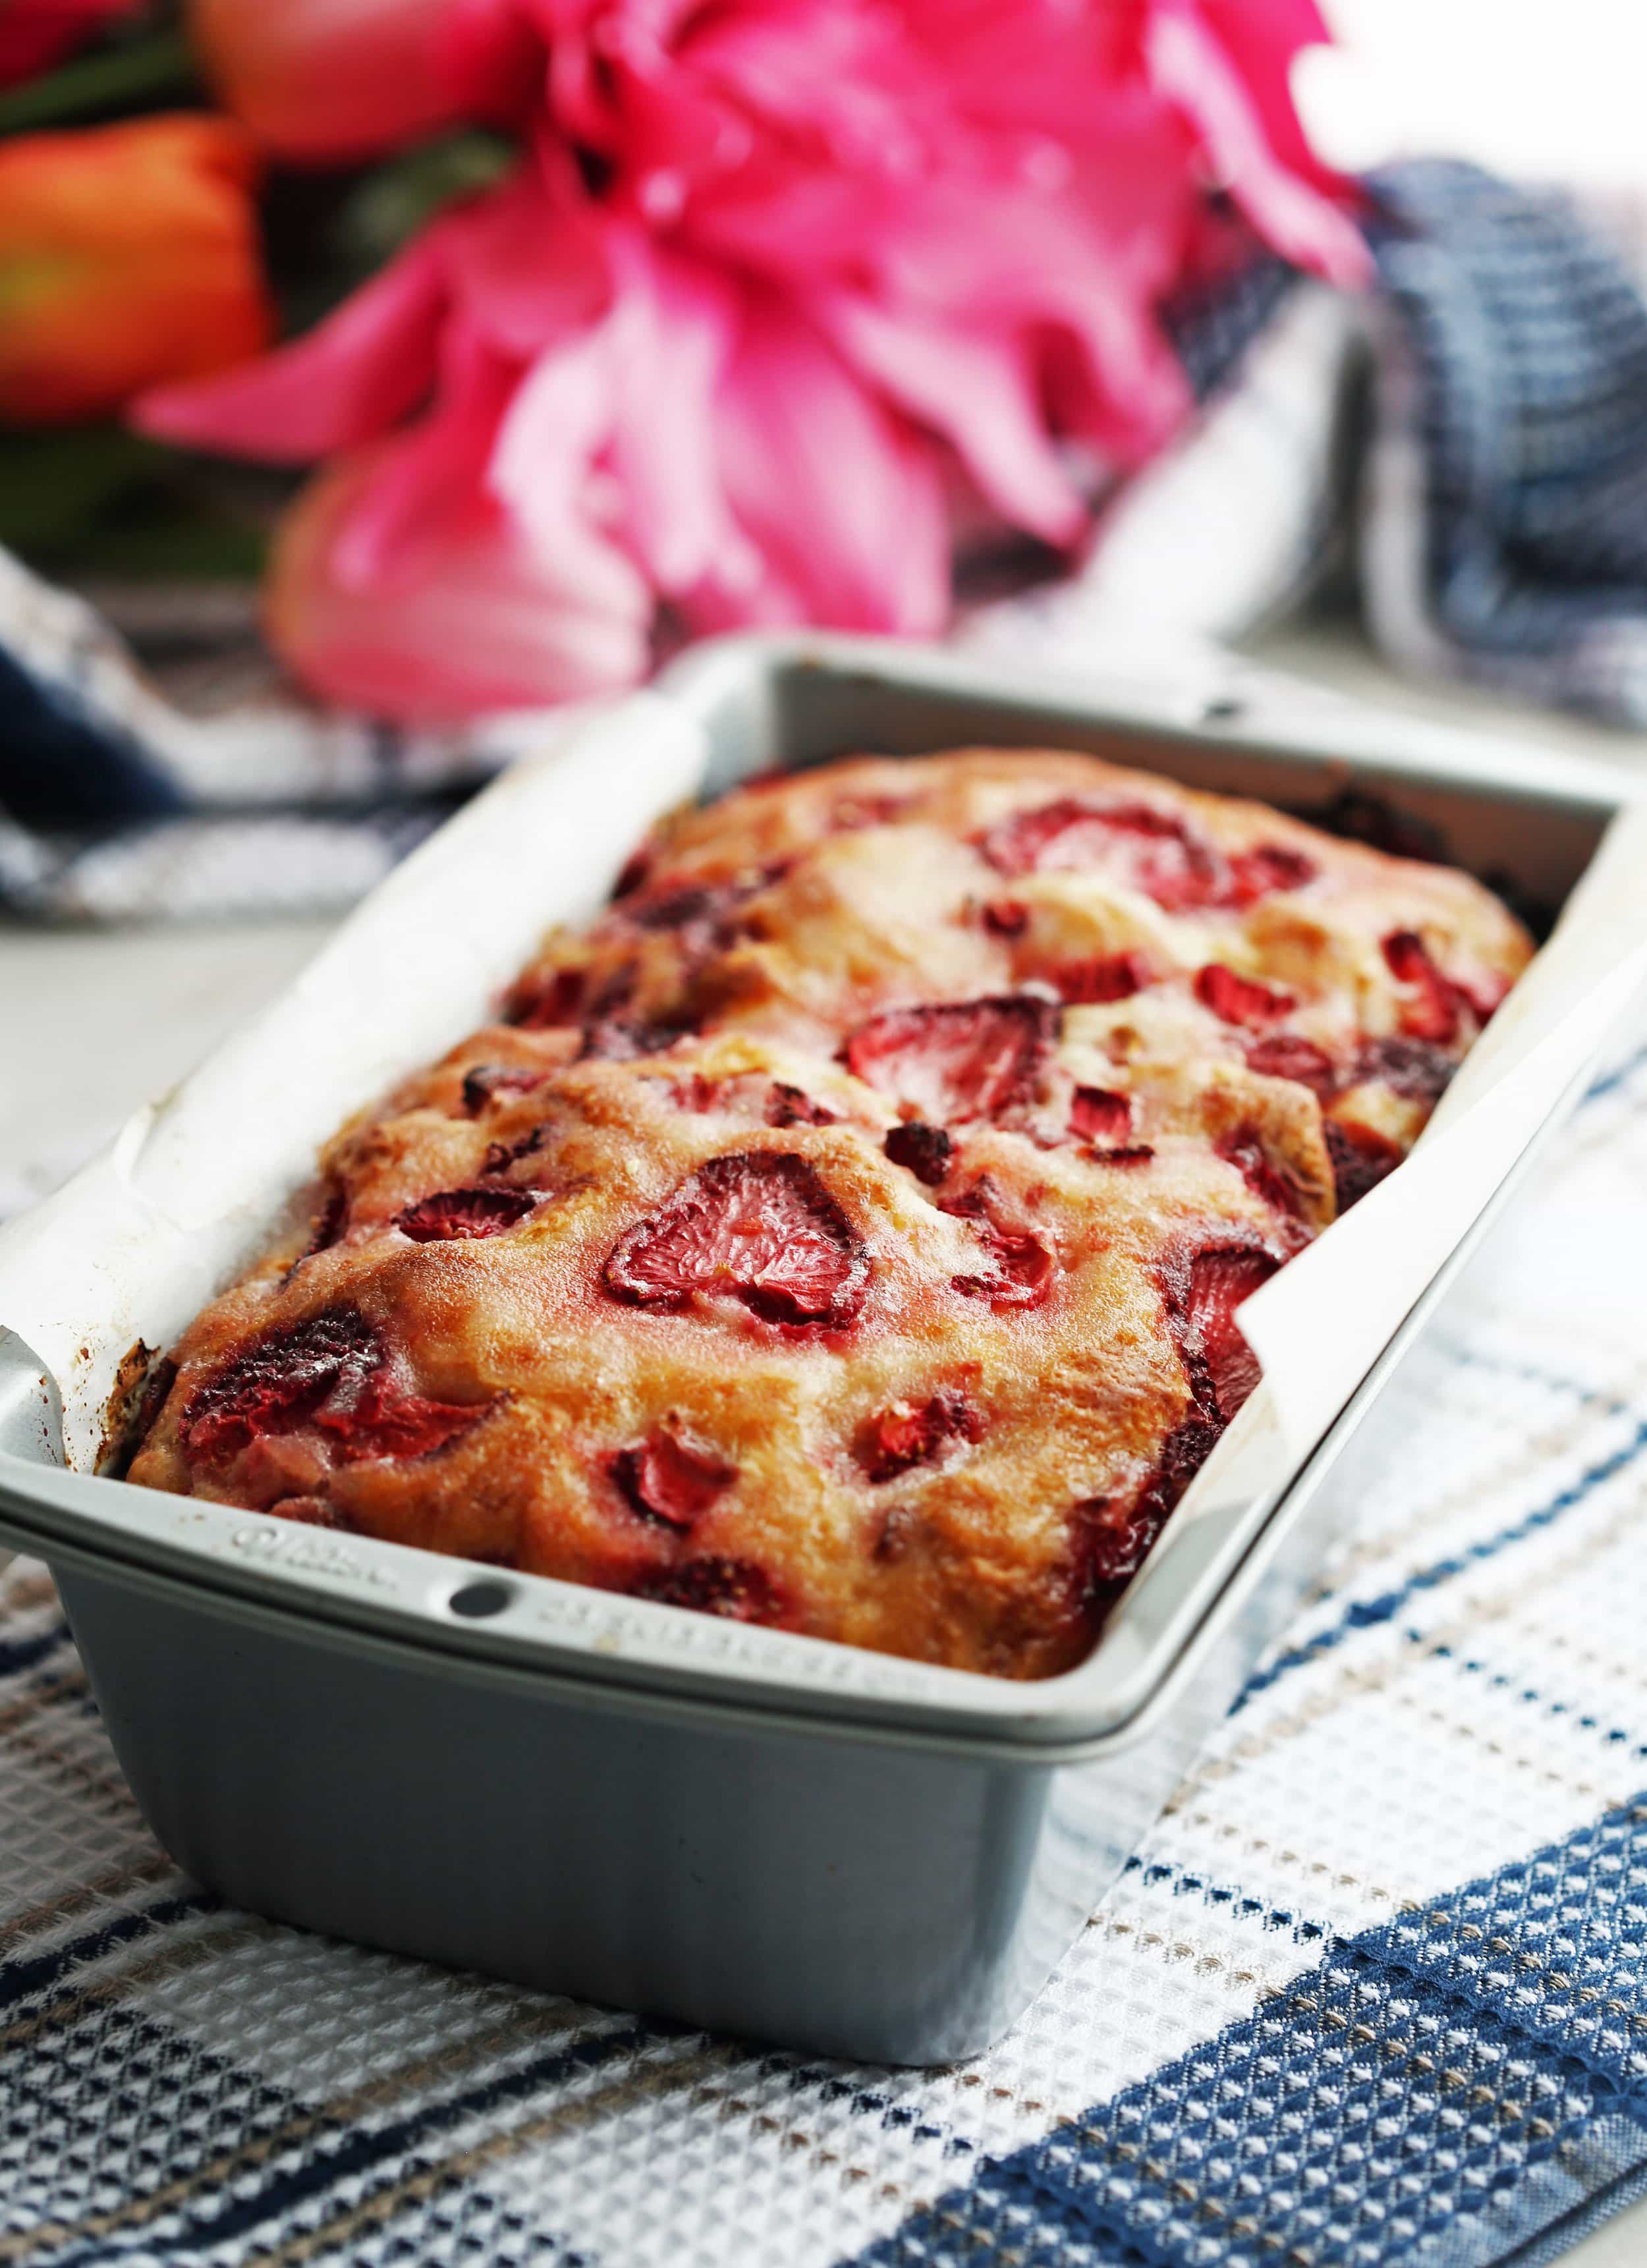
(776, 285)
(36, 33)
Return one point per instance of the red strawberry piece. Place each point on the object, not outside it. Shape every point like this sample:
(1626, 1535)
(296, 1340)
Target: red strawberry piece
(1123, 1154)
(487, 1080)
(1141, 848)
(791, 1105)
(757, 1226)
(546, 1000)
(327, 1371)
(1244, 1149)
(1097, 1113)
(1112, 1540)
(1114, 1537)
(1432, 1010)
(635, 870)
(670, 1477)
(959, 1059)
(1020, 1265)
(1284, 1055)
(386, 1424)
(280, 1382)
(694, 1092)
(704, 915)
(1417, 1069)
(1107, 977)
(914, 1434)
(1203, 1294)
(925, 1150)
(1006, 917)
(1266, 868)
(732, 1588)
(464, 1213)
(678, 905)
(1239, 1000)
(1360, 1159)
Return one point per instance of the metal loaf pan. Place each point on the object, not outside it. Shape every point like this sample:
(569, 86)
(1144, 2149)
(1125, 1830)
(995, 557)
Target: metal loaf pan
(735, 1828)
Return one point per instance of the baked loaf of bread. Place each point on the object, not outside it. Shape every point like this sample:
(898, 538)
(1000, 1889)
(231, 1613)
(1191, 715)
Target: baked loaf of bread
(842, 1232)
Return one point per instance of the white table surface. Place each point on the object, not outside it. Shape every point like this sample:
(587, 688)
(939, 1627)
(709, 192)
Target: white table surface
(93, 1023)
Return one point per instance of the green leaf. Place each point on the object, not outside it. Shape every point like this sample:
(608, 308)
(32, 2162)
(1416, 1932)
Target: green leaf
(387, 209)
(136, 74)
(56, 486)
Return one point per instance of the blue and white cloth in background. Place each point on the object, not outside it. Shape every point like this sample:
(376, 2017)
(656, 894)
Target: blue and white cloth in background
(1373, 1991)
(1492, 482)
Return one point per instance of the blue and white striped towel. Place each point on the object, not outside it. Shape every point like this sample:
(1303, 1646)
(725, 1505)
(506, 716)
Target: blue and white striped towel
(1374, 1991)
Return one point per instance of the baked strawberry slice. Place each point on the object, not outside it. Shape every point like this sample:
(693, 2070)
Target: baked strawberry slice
(1243, 1148)
(1112, 1540)
(1268, 867)
(1105, 977)
(384, 1424)
(464, 1213)
(1005, 916)
(913, 1433)
(1417, 1069)
(1239, 1000)
(735, 1589)
(329, 1372)
(1430, 1010)
(546, 1000)
(1114, 1537)
(1361, 1156)
(1284, 1054)
(1097, 1113)
(1203, 1294)
(922, 1150)
(279, 1382)
(671, 1477)
(757, 1226)
(1020, 1267)
(951, 1061)
(1142, 848)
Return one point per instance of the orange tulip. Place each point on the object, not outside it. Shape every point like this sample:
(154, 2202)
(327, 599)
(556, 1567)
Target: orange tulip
(320, 80)
(128, 255)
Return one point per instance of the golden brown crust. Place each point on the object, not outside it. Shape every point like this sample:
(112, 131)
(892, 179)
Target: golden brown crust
(842, 1231)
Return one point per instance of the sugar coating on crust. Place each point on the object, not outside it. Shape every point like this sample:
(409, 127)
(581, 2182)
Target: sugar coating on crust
(842, 1233)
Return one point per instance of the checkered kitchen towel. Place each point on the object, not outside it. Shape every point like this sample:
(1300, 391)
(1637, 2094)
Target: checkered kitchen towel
(1502, 529)
(1374, 1989)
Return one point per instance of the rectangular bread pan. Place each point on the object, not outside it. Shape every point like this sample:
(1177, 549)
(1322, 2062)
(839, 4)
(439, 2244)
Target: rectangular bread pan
(725, 1825)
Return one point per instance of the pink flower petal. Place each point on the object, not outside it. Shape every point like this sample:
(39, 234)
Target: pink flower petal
(466, 614)
(844, 504)
(355, 374)
(674, 325)
(980, 391)
(1191, 67)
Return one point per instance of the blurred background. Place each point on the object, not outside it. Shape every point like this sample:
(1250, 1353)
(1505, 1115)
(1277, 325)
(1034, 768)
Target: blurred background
(375, 380)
